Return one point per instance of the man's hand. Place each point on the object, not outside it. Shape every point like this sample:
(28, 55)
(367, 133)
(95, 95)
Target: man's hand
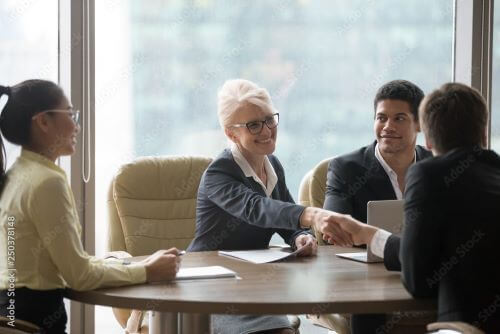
(307, 245)
(331, 230)
(359, 233)
(312, 216)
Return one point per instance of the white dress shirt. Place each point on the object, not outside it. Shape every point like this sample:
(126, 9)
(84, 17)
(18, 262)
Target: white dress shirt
(380, 237)
(272, 178)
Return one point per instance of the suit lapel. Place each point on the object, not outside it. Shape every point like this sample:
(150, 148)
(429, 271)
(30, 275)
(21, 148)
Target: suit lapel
(255, 185)
(249, 181)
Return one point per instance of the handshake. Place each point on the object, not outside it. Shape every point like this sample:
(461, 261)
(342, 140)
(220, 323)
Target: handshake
(337, 229)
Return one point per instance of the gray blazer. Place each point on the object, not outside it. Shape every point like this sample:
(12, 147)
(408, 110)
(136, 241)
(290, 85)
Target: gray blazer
(233, 212)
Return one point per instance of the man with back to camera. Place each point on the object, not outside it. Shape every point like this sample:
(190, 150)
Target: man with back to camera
(448, 249)
(377, 171)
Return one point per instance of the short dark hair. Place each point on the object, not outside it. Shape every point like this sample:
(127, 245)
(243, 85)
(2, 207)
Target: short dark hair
(455, 115)
(400, 90)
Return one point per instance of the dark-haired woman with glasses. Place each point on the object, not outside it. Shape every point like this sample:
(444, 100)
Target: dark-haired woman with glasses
(41, 252)
(243, 198)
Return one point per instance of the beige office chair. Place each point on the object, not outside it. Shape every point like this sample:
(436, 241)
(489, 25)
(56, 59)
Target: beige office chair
(304, 189)
(152, 205)
(312, 190)
(21, 327)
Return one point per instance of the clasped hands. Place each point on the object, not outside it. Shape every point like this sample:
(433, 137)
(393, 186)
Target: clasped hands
(340, 229)
(345, 231)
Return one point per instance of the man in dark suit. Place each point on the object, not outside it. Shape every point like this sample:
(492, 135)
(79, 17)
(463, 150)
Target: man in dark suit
(377, 171)
(448, 249)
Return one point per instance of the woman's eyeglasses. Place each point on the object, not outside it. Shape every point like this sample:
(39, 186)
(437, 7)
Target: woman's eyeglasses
(74, 114)
(255, 127)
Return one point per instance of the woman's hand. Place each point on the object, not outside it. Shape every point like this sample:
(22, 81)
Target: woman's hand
(163, 265)
(307, 245)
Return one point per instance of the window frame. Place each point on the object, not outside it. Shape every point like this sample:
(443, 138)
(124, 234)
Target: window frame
(472, 47)
(76, 77)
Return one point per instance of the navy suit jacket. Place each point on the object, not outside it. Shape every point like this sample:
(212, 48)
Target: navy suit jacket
(356, 178)
(234, 213)
(449, 247)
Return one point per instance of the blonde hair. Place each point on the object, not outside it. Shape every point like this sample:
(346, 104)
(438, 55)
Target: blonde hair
(238, 92)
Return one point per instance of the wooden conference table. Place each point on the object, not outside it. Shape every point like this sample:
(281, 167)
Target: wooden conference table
(305, 285)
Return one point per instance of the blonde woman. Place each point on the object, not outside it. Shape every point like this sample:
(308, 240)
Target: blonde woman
(243, 198)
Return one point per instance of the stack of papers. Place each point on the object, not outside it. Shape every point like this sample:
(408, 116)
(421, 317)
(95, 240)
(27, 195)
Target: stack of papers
(262, 255)
(204, 272)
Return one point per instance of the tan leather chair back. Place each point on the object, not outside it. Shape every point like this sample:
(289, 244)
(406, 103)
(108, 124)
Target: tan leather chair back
(317, 188)
(317, 185)
(304, 189)
(152, 204)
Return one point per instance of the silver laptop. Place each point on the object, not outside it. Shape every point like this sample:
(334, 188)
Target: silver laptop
(388, 215)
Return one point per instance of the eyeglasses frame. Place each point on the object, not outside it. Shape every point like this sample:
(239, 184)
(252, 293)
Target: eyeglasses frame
(241, 125)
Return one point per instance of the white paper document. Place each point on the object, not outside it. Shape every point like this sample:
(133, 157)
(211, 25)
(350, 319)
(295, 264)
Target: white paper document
(204, 272)
(262, 255)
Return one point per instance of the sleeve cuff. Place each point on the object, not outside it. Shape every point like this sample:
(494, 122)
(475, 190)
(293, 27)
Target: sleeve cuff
(378, 242)
(137, 273)
(300, 216)
(112, 260)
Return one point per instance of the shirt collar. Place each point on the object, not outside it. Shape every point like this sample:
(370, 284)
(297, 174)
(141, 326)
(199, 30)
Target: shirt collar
(272, 178)
(384, 164)
(35, 157)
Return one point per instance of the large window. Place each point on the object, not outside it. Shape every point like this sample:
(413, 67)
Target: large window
(29, 47)
(159, 65)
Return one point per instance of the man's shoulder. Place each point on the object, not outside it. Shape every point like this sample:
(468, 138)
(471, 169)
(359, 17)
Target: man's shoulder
(355, 159)
(437, 171)
(430, 166)
(422, 152)
(435, 164)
